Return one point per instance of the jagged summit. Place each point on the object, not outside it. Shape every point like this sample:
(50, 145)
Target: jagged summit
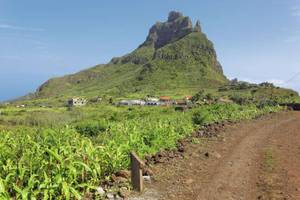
(173, 15)
(175, 28)
(197, 27)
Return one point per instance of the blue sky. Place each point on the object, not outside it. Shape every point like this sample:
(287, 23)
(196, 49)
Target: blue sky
(255, 40)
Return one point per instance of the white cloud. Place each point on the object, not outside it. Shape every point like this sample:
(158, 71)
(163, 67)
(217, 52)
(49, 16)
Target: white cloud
(19, 28)
(276, 82)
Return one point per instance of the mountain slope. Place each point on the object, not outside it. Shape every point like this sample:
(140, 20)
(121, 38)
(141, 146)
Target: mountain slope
(176, 58)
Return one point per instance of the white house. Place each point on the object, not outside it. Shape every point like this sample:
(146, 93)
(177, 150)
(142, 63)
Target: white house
(152, 101)
(136, 102)
(77, 102)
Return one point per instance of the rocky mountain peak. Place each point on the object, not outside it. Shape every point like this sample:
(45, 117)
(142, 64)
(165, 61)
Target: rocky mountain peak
(197, 26)
(176, 27)
(173, 15)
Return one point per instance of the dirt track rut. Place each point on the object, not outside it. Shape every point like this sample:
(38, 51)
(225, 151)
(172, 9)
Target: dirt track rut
(257, 159)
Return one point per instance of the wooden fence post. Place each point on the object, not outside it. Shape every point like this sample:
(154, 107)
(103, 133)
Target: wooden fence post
(137, 166)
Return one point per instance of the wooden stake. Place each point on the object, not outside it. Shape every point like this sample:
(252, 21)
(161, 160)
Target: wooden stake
(137, 166)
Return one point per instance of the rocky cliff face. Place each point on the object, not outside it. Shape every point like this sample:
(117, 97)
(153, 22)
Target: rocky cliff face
(175, 28)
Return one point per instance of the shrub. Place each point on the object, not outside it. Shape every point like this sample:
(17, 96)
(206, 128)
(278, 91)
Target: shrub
(264, 103)
(91, 128)
(200, 117)
(241, 100)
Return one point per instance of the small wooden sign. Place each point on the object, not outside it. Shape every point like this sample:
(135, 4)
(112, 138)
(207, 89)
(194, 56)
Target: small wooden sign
(137, 166)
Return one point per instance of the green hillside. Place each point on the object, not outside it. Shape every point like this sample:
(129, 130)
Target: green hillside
(176, 59)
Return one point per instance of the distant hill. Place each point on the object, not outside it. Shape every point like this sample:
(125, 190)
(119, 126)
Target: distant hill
(176, 58)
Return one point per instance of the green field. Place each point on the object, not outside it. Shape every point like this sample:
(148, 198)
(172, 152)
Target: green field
(52, 153)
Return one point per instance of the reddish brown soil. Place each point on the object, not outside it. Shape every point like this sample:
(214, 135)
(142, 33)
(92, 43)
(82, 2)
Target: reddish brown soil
(256, 159)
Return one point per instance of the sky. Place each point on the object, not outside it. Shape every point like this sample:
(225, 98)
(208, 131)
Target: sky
(255, 40)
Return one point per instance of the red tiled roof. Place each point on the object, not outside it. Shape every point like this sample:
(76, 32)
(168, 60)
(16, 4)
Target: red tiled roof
(165, 98)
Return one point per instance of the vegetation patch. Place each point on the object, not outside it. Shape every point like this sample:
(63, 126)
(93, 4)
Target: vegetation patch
(67, 161)
(269, 160)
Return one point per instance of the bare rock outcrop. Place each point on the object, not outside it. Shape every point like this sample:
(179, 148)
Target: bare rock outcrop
(175, 28)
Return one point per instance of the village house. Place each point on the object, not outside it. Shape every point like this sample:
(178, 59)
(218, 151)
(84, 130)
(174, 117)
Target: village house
(95, 100)
(181, 102)
(124, 103)
(132, 103)
(152, 101)
(165, 100)
(188, 98)
(20, 106)
(186, 101)
(77, 101)
(138, 102)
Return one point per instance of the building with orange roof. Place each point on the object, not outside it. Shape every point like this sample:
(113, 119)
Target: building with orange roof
(188, 98)
(166, 100)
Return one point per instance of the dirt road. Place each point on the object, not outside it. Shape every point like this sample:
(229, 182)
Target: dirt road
(256, 159)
